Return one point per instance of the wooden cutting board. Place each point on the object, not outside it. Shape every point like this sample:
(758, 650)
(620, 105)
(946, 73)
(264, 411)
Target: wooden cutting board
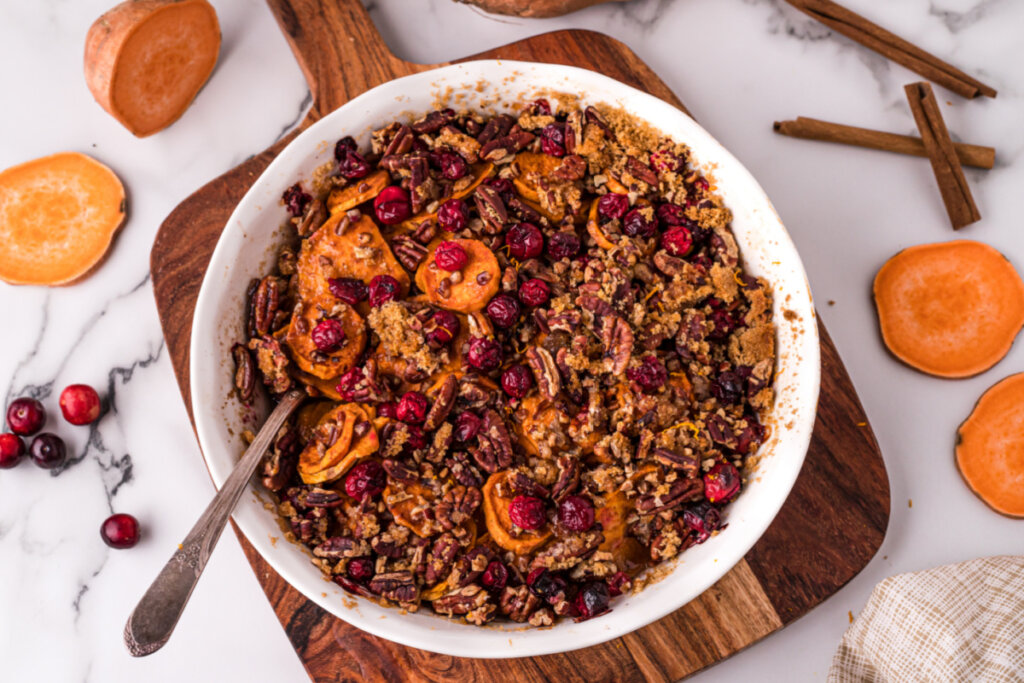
(828, 530)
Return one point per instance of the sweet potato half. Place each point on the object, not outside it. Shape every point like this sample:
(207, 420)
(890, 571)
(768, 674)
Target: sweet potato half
(990, 447)
(146, 60)
(58, 216)
(950, 309)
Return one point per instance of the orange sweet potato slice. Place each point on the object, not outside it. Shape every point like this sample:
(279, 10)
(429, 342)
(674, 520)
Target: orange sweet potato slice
(479, 278)
(480, 173)
(341, 199)
(990, 447)
(534, 416)
(613, 511)
(950, 309)
(146, 60)
(499, 524)
(337, 444)
(326, 366)
(58, 216)
(594, 228)
(409, 503)
(533, 167)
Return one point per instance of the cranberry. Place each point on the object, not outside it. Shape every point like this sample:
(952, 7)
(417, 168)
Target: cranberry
(703, 519)
(525, 241)
(348, 382)
(353, 166)
(453, 215)
(495, 577)
(80, 404)
(366, 480)
(120, 531)
(295, 200)
(383, 288)
(552, 139)
(527, 512)
(452, 165)
(563, 245)
(387, 409)
(360, 569)
(503, 310)
(545, 584)
(664, 161)
(450, 256)
(671, 215)
(417, 439)
(678, 241)
(412, 408)
(392, 205)
(613, 205)
(727, 388)
(517, 381)
(343, 146)
(534, 292)
(328, 335)
(467, 425)
(752, 436)
(349, 289)
(636, 224)
(484, 354)
(12, 448)
(701, 184)
(724, 324)
(541, 107)
(592, 600)
(26, 416)
(503, 186)
(651, 375)
(722, 483)
(619, 583)
(47, 451)
(576, 513)
(445, 327)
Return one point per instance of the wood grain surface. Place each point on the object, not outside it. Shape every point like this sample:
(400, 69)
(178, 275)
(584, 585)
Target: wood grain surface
(828, 530)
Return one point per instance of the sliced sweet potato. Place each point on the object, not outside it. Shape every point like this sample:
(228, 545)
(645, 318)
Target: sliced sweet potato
(614, 185)
(533, 167)
(990, 447)
(342, 437)
(612, 512)
(950, 309)
(481, 172)
(146, 60)
(326, 366)
(309, 416)
(534, 416)
(499, 524)
(479, 278)
(341, 199)
(58, 216)
(412, 504)
(594, 228)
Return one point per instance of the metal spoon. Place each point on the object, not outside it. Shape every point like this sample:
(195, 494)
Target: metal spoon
(150, 625)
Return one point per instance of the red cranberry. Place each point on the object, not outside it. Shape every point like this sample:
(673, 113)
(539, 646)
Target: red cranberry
(343, 146)
(392, 205)
(47, 450)
(503, 310)
(328, 335)
(525, 241)
(517, 381)
(484, 354)
(651, 375)
(546, 584)
(613, 205)
(412, 408)
(703, 519)
(503, 186)
(670, 215)
(723, 323)
(563, 245)
(722, 483)
(445, 327)
(552, 139)
(387, 409)
(534, 292)
(467, 425)
(619, 583)
(495, 577)
(592, 600)
(366, 480)
(80, 404)
(383, 288)
(541, 107)
(349, 289)
(295, 200)
(450, 256)
(417, 439)
(636, 224)
(120, 531)
(576, 513)
(728, 388)
(360, 569)
(678, 241)
(26, 416)
(348, 383)
(701, 184)
(527, 512)
(353, 166)
(452, 165)
(12, 448)
(453, 215)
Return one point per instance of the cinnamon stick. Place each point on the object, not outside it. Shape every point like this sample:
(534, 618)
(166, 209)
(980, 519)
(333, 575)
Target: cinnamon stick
(977, 156)
(891, 46)
(952, 184)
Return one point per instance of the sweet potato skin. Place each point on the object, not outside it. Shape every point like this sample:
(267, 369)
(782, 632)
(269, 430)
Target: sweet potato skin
(105, 43)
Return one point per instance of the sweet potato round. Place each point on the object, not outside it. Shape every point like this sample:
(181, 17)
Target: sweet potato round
(499, 524)
(470, 294)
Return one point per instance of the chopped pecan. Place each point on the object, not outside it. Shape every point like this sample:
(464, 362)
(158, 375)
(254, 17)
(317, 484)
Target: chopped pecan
(679, 461)
(245, 372)
(573, 131)
(522, 485)
(470, 566)
(442, 556)
(572, 168)
(461, 601)
(272, 363)
(495, 445)
(335, 548)
(568, 478)
(463, 471)
(432, 122)
(401, 142)
(400, 471)
(468, 147)
(669, 265)
(721, 432)
(473, 394)
(458, 505)
(680, 491)
(425, 232)
(409, 252)
(544, 371)
(523, 211)
(518, 603)
(641, 171)
(491, 207)
(444, 401)
(397, 586)
(617, 337)
(315, 216)
(594, 116)
(323, 498)
(569, 551)
(496, 127)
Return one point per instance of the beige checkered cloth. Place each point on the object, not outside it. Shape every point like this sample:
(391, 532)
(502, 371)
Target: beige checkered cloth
(961, 622)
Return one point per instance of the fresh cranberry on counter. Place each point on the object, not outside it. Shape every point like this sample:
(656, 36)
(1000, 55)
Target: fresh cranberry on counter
(80, 404)
(26, 416)
(120, 531)
(12, 448)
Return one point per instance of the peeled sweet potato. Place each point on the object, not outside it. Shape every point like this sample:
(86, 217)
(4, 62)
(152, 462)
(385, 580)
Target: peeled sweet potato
(612, 512)
(342, 199)
(950, 309)
(532, 168)
(594, 228)
(411, 504)
(499, 524)
(342, 437)
(146, 60)
(58, 216)
(326, 366)
(479, 278)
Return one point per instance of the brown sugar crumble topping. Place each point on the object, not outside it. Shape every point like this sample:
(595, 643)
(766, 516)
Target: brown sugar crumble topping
(535, 363)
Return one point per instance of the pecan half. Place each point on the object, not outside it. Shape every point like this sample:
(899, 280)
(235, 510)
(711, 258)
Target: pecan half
(323, 498)
(617, 338)
(245, 372)
(457, 506)
(461, 601)
(400, 471)
(544, 371)
(491, 207)
(401, 142)
(335, 548)
(689, 464)
(568, 478)
(641, 171)
(396, 586)
(495, 442)
(266, 304)
(721, 432)
(444, 401)
(496, 127)
(572, 168)
(669, 265)
(315, 216)
(680, 491)
(442, 556)
(518, 603)
(409, 251)
(272, 363)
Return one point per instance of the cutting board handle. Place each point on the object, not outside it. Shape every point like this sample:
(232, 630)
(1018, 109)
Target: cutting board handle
(338, 48)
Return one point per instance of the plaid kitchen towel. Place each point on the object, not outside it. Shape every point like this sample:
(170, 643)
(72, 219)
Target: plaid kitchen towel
(961, 622)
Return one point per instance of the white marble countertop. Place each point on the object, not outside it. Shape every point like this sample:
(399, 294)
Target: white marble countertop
(738, 64)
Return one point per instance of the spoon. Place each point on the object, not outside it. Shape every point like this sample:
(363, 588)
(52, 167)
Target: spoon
(150, 625)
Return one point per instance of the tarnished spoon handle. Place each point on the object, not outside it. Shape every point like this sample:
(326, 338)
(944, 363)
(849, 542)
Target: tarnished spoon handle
(150, 625)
